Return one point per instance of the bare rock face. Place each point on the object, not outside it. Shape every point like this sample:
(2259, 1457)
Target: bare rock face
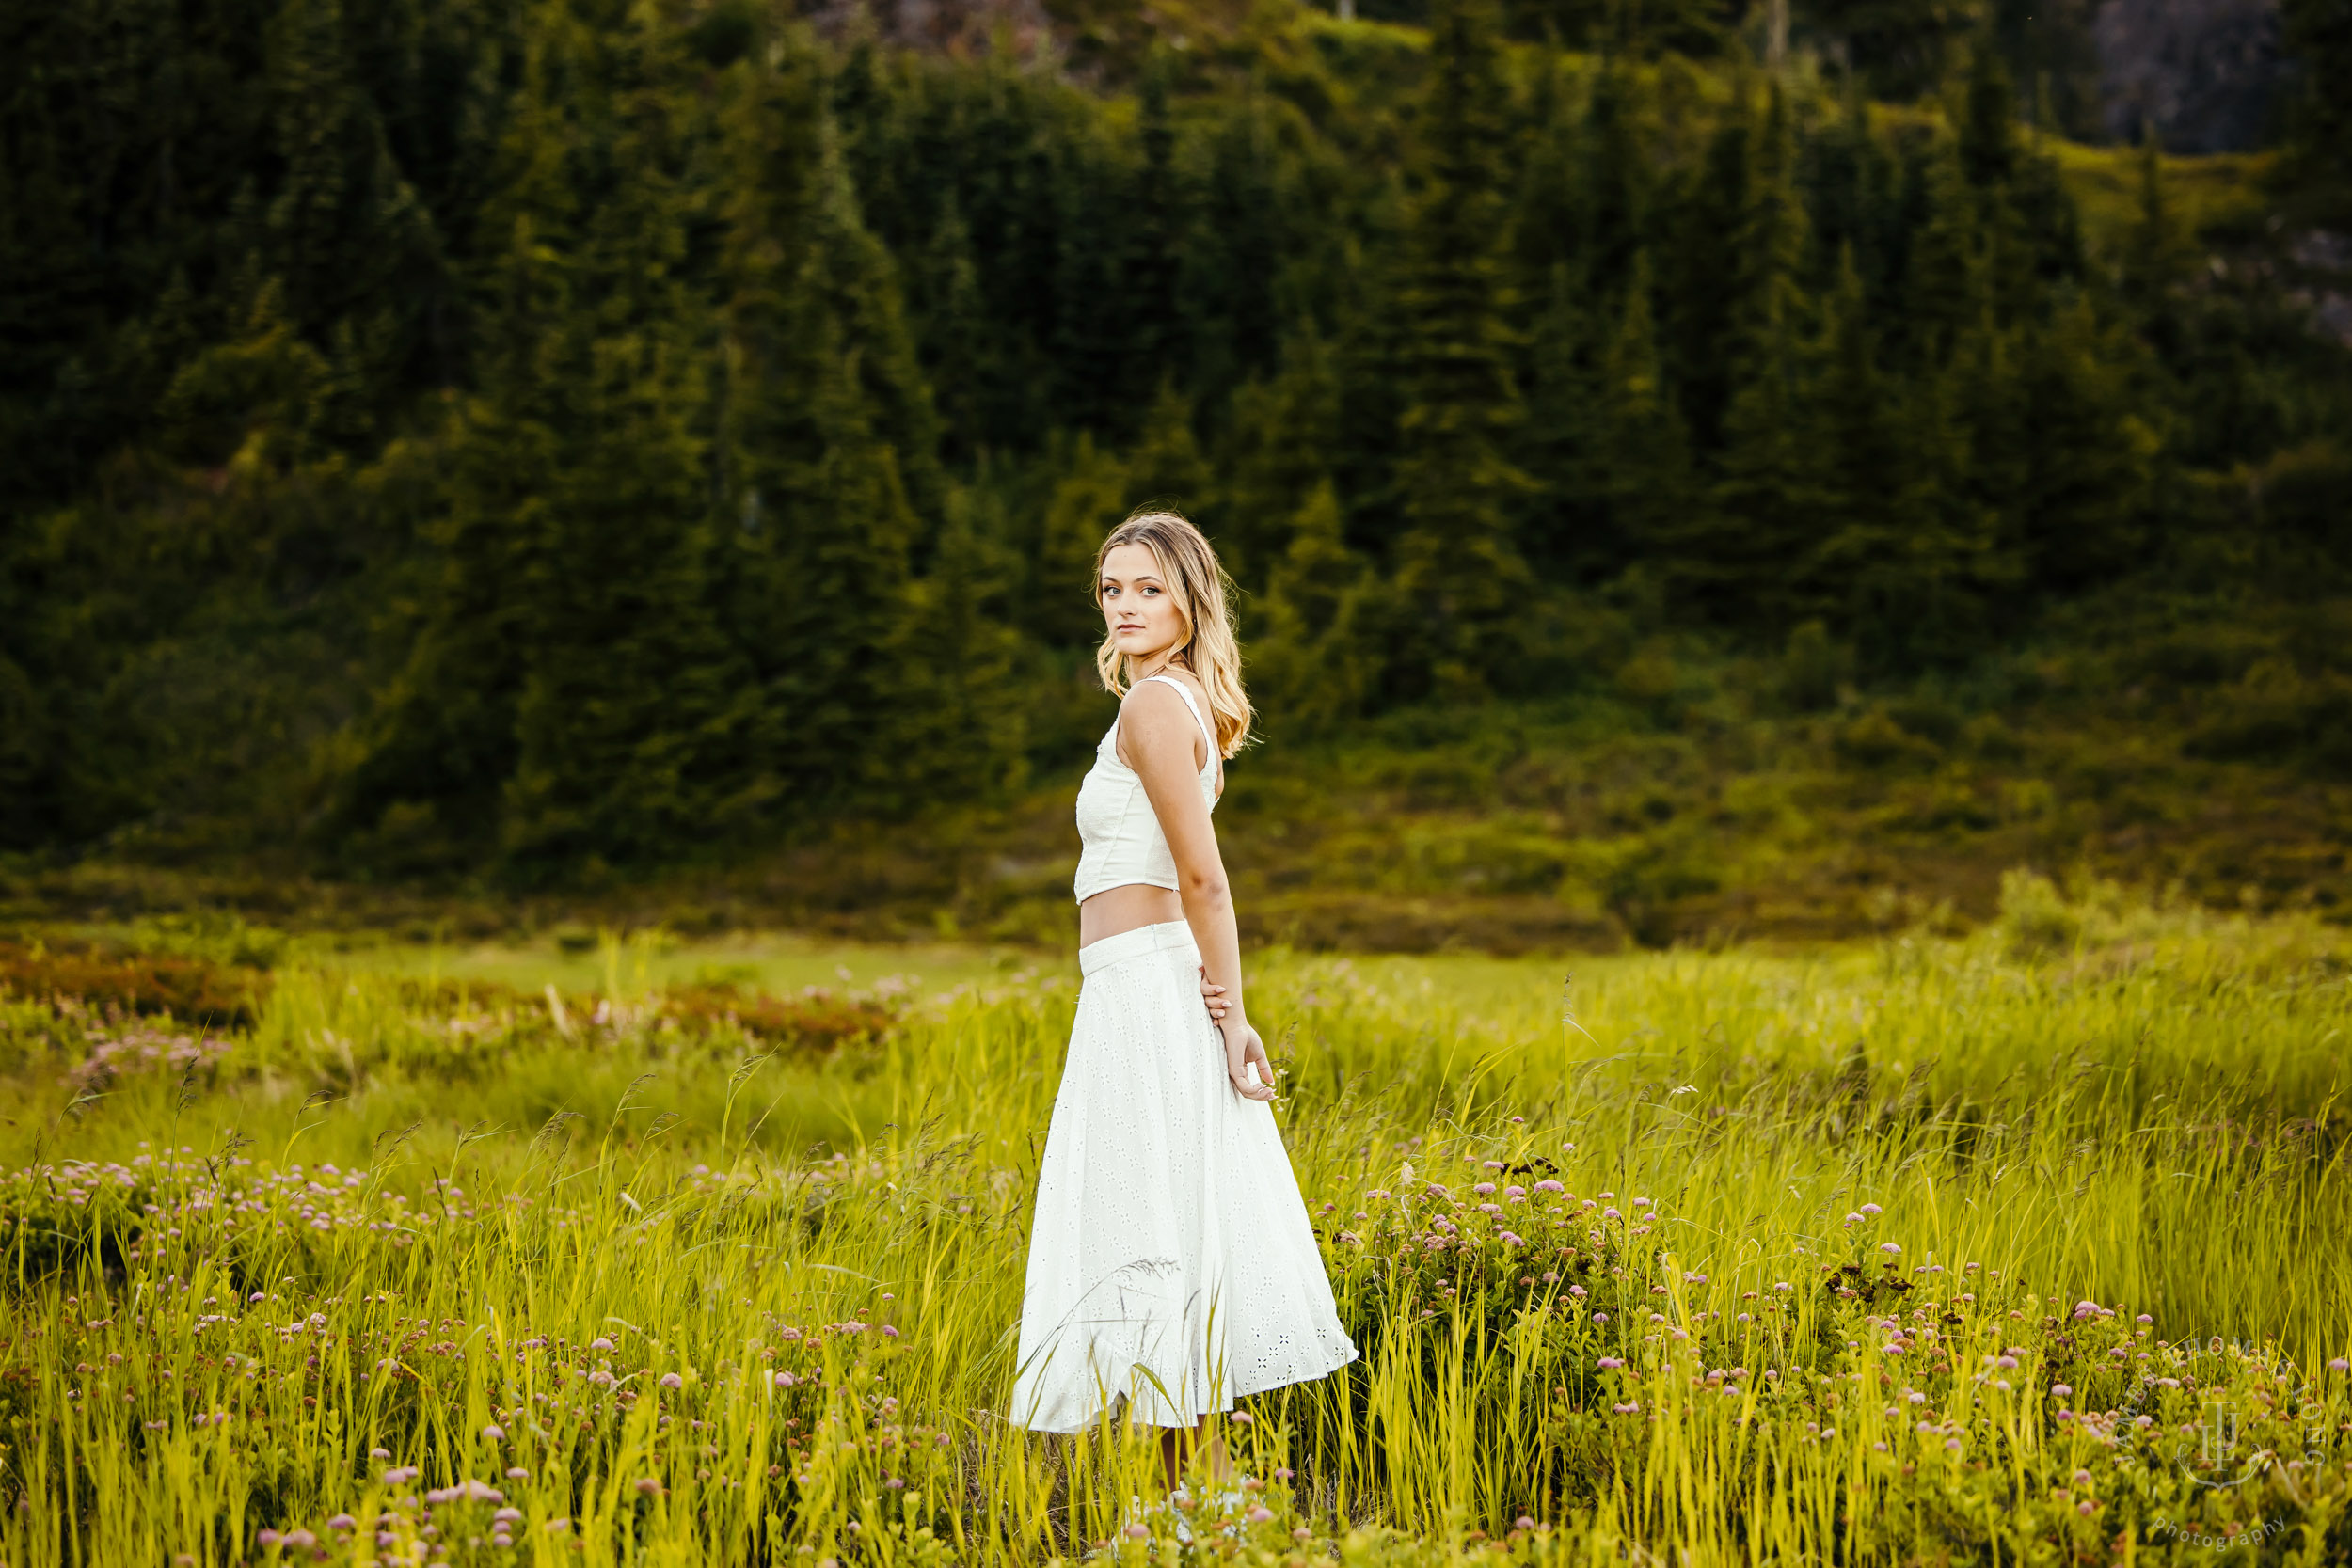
(2203, 73)
(2321, 278)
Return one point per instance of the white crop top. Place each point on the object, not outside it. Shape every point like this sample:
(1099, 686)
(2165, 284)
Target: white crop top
(1118, 832)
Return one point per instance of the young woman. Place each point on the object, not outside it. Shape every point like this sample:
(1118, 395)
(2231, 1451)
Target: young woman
(1172, 1266)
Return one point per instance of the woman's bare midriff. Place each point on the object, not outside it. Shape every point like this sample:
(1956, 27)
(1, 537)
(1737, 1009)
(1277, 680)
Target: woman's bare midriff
(1123, 908)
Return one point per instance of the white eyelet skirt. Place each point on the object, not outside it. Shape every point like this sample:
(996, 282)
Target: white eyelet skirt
(1171, 1259)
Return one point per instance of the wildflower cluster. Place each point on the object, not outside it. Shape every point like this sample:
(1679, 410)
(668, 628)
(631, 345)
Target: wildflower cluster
(116, 1050)
(1931, 1382)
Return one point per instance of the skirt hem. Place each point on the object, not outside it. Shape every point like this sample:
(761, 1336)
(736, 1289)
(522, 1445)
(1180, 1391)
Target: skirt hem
(1143, 1420)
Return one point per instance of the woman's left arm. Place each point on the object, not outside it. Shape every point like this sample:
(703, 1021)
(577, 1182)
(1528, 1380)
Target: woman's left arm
(1160, 733)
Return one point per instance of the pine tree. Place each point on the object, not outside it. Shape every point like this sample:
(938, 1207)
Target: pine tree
(2030, 235)
(347, 234)
(1165, 468)
(1547, 217)
(1988, 153)
(1154, 338)
(1643, 465)
(433, 755)
(2156, 258)
(959, 344)
(1569, 533)
(622, 720)
(1981, 409)
(1279, 445)
(1709, 279)
(956, 721)
(2089, 454)
(1736, 558)
(1309, 670)
(1614, 197)
(1770, 242)
(1944, 286)
(2318, 154)
(826, 416)
(1884, 561)
(1234, 249)
(1457, 569)
(1741, 561)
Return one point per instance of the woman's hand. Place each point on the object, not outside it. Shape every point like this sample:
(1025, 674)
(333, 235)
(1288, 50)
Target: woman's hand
(1214, 995)
(1242, 1048)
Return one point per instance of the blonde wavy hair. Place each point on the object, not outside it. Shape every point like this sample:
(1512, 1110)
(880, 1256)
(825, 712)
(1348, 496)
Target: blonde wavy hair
(1203, 597)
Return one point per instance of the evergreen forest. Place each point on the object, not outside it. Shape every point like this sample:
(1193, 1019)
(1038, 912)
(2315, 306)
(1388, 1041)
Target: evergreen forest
(541, 443)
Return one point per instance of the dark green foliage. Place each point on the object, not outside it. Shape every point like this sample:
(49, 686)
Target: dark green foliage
(2319, 33)
(1460, 577)
(557, 434)
(1901, 47)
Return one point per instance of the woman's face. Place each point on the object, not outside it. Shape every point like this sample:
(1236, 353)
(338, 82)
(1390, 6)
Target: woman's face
(1138, 604)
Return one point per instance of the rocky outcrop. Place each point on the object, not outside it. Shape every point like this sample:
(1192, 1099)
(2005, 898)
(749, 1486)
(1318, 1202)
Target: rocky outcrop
(2204, 73)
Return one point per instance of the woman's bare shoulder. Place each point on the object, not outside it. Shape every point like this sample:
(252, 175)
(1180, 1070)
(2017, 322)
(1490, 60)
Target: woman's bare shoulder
(1155, 720)
(1151, 704)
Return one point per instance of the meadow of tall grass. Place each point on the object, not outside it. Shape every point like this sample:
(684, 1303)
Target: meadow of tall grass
(2031, 1246)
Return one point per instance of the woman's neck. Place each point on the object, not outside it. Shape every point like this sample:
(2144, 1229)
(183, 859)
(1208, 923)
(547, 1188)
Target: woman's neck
(1158, 664)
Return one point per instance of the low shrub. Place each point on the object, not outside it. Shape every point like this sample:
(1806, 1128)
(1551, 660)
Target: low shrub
(143, 984)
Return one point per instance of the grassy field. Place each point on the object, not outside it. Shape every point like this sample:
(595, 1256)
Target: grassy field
(2029, 1246)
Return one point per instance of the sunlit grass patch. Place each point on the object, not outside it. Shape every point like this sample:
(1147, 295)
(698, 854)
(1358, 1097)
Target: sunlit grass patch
(2027, 1246)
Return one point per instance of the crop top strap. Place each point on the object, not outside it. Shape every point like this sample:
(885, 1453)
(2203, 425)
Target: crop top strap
(1186, 692)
